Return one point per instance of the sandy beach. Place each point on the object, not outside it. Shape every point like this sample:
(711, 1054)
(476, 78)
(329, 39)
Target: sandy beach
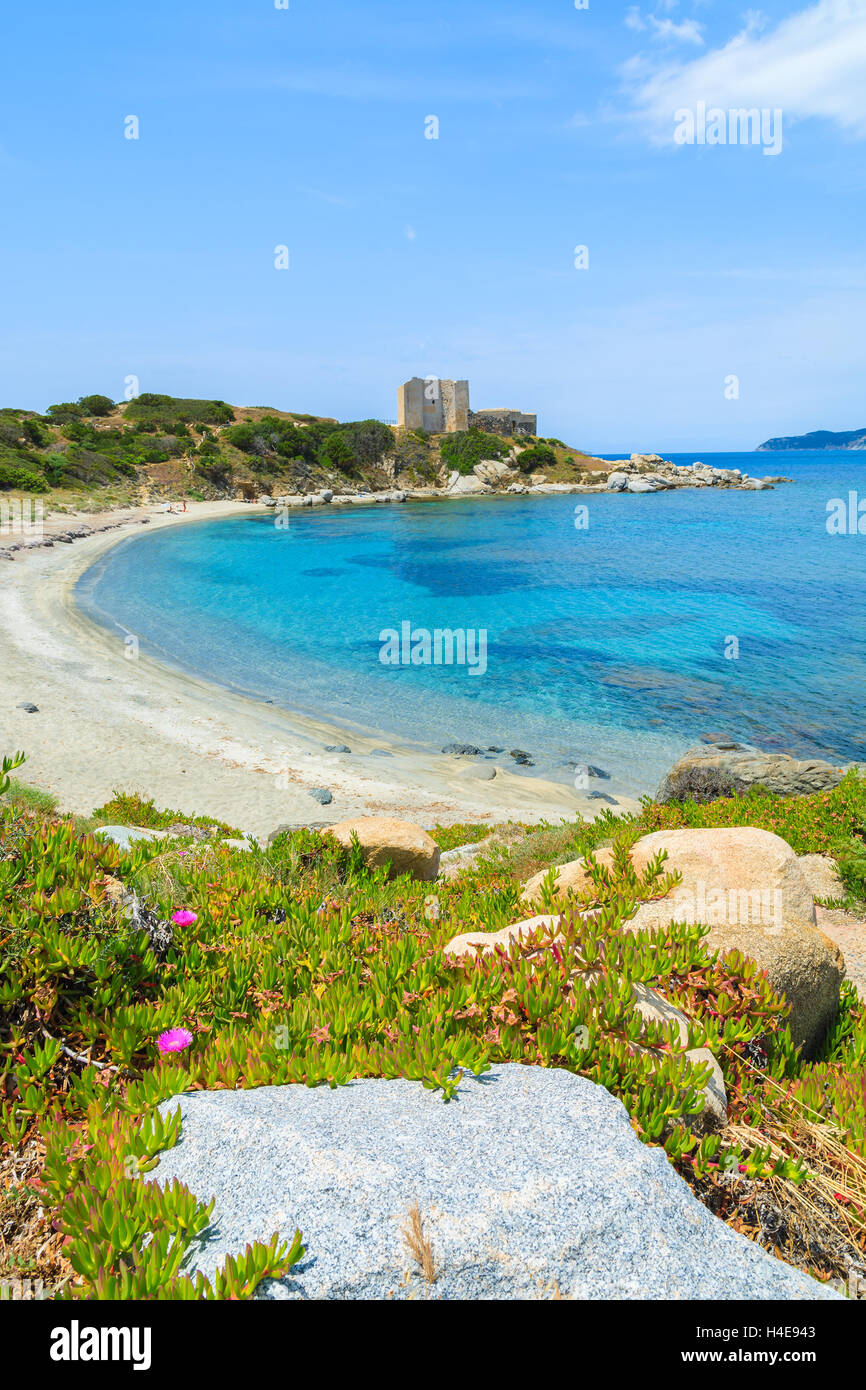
(106, 722)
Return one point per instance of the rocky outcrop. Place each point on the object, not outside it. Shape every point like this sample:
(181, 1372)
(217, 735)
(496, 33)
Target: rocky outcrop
(715, 770)
(326, 498)
(652, 473)
(465, 484)
(752, 895)
(494, 472)
(406, 847)
(822, 876)
(729, 874)
(530, 1184)
(748, 887)
(801, 963)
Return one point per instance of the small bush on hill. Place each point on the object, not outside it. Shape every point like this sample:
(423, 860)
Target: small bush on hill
(536, 456)
(96, 405)
(463, 449)
(21, 478)
(64, 412)
(164, 410)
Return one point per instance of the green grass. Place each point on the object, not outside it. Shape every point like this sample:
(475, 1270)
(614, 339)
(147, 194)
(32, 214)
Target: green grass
(24, 798)
(452, 836)
(128, 808)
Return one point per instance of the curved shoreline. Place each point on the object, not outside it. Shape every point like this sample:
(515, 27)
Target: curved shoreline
(106, 722)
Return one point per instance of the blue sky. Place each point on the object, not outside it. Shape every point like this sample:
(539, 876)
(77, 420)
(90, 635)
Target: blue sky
(305, 127)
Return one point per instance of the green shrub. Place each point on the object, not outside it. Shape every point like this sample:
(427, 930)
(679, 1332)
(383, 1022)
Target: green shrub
(96, 405)
(63, 413)
(163, 410)
(336, 452)
(21, 479)
(54, 467)
(463, 449)
(536, 456)
(36, 433)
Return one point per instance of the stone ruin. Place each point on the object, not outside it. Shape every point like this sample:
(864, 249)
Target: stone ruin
(442, 407)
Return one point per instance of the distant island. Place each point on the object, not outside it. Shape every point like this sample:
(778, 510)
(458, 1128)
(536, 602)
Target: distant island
(819, 439)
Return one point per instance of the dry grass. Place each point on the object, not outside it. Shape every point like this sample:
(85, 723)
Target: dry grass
(419, 1246)
(30, 1249)
(818, 1225)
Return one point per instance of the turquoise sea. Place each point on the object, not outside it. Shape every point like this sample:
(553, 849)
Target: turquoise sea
(668, 617)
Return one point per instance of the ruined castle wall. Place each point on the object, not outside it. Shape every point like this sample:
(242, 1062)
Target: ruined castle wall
(505, 422)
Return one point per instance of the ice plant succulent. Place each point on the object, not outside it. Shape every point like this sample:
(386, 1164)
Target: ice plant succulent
(184, 918)
(174, 1040)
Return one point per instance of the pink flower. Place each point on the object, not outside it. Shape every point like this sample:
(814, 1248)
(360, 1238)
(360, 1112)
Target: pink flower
(174, 1040)
(321, 1034)
(184, 918)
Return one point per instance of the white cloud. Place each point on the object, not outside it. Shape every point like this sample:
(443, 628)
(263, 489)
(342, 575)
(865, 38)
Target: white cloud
(689, 31)
(811, 64)
(411, 234)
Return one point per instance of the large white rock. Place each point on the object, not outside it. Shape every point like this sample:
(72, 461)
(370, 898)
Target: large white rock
(494, 472)
(467, 483)
(530, 1184)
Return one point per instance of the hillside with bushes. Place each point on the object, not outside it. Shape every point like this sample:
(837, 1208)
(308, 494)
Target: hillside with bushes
(92, 452)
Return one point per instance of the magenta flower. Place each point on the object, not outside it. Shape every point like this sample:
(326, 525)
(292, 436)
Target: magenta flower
(174, 1040)
(184, 918)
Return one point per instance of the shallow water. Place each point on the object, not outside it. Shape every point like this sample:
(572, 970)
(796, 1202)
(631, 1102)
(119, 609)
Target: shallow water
(605, 644)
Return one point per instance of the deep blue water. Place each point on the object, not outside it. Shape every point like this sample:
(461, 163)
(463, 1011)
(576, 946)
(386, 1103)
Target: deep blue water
(606, 644)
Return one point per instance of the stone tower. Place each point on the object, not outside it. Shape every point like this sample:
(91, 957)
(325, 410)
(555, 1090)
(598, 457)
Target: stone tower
(435, 405)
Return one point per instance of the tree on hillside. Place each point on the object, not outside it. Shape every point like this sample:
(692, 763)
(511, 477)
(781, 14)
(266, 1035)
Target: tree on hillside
(96, 405)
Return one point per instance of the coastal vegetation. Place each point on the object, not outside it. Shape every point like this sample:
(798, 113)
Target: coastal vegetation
(132, 975)
(93, 453)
